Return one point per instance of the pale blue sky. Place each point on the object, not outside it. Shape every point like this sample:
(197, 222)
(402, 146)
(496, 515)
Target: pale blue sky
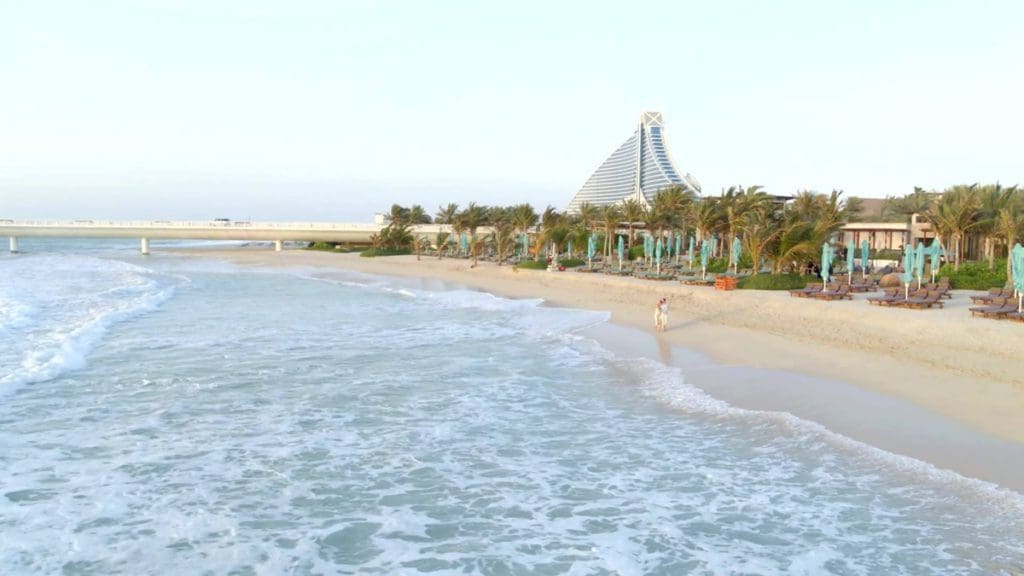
(332, 110)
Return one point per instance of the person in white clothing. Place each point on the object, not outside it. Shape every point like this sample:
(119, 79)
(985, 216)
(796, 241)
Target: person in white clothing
(663, 309)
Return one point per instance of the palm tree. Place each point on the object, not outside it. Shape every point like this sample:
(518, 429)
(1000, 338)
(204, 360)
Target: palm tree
(442, 238)
(954, 215)
(524, 217)
(588, 214)
(502, 232)
(760, 229)
(446, 214)
(1009, 225)
(417, 215)
(471, 218)
(734, 203)
(632, 212)
(611, 217)
(706, 216)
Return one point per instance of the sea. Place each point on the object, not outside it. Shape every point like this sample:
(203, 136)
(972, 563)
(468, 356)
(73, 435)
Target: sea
(177, 414)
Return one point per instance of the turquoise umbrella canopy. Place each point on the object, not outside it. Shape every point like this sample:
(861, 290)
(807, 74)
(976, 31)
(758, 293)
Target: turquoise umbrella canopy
(622, 249)
(1017, 267)
(908, 264)
(865, 253)
(690, 251)
(705, 253)
(919, 256)
(737, 249)
(935, 253)
(1017, 274)
(464, 243)
(657, 251)
(826, 261)
(851, 261)
(526, 244)
(569, 249)
(679, 245)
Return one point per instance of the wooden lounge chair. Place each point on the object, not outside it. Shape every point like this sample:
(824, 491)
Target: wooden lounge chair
(840, 293)
(992, 295)
(891, 295)
(924, 300)
(1000, 306)
(806, 291)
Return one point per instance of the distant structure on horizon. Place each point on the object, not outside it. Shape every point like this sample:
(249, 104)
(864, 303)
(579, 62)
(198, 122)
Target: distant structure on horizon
(637, 169)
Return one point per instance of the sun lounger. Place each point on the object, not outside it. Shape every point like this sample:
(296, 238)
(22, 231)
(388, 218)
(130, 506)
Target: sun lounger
(999, 307)
(927, 300)
(840, 293)
(806, 291)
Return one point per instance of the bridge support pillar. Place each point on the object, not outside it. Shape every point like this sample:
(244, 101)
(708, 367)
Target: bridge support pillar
(278, 245)
(144, 246)
(14, 245)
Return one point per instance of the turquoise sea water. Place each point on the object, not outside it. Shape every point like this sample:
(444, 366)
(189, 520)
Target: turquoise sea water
(179, 415)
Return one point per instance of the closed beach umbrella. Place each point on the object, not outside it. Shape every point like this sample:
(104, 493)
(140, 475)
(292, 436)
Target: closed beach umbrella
(908, 269)
(464, 244)
(1017, 268)
(737, 247)
(657, 255)
(705, 253)
(679, 245)
(591, 248)
(622, 249)
(865, 251)
(826, 261)
(691, 252)
(919, 263)
(570, 248)
(850, 261)
(936, 251)
(526, 245)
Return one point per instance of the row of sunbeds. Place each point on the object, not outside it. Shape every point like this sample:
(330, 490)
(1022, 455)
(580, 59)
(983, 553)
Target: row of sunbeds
(999, 303)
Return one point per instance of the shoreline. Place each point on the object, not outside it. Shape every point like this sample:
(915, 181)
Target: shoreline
(756, 350)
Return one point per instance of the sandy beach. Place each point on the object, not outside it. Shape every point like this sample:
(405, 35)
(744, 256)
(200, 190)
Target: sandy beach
(936, 385)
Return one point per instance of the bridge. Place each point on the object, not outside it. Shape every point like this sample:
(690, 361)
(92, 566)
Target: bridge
(276, 232)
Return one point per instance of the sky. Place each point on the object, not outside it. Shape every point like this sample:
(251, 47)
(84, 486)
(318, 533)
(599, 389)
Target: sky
(332, 110)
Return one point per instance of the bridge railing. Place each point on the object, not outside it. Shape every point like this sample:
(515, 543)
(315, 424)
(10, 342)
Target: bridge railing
(190, 224)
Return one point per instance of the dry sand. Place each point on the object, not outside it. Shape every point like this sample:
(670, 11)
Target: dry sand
(934, 384)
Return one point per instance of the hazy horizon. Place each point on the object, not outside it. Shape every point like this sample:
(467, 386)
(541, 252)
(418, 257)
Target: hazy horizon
(334, 111)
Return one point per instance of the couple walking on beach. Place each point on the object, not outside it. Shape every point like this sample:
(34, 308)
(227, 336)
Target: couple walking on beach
(661, 315)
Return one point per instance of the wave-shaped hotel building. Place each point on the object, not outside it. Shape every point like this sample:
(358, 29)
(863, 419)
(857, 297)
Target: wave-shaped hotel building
(640, 167)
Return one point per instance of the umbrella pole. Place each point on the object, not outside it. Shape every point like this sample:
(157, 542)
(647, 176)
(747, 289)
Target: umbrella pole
(906, 291)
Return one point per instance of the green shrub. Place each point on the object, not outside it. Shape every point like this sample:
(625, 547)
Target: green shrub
(533, 265)
(975, 275)
(321, 246)
(886, 254)
(637, 251)
(374, 252)
(335, 247)
(572, 262)
(775, 282)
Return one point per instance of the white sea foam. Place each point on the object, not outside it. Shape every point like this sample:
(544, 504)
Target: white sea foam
(60, 307)
(312, 428)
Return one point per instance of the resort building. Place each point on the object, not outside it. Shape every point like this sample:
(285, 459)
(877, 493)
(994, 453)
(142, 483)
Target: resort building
(883, 235)
(640, 167)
